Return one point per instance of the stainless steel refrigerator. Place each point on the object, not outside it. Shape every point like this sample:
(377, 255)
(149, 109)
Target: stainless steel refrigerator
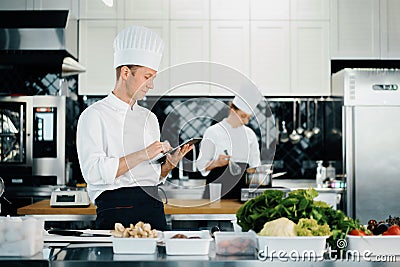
(371, 140)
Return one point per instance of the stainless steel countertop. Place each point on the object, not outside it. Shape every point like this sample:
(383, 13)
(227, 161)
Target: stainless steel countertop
(102, 255)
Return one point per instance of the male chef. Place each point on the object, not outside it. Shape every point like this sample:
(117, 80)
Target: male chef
(116, 138)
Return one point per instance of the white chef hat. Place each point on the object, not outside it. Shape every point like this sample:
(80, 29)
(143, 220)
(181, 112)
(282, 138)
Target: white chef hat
(247, 99)
(137, 45)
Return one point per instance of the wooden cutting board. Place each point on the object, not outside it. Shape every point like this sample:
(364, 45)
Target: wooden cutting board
(174, 206)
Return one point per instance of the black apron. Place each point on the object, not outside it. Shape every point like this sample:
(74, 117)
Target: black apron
(128, 205)
(231, 184)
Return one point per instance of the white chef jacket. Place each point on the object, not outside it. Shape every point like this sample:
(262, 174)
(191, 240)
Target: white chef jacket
(108, 130)
(240, 142)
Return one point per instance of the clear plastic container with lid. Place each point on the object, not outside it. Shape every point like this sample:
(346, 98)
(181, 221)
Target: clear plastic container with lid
(331, 171)
(21, 236)
(321, 174)
(236, 243)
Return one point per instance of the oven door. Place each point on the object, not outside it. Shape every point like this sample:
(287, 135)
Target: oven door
(15, 139)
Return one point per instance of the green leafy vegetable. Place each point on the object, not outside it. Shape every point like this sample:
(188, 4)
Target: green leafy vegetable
(298, 204)
(310, 227)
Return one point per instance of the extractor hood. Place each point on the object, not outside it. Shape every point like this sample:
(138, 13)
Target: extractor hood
(39, 39)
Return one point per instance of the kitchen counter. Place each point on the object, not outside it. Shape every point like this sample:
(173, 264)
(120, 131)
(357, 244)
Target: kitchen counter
(178, 208)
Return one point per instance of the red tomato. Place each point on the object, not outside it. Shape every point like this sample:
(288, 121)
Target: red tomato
(357, 232)
(393, 230)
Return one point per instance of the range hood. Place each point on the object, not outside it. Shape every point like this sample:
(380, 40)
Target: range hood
(39, 39)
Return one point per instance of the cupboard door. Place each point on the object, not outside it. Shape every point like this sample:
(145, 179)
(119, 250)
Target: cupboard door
(390, 29)
(149, 9)
(309, 9)
(310, 64)
(355, 29)
(269, 9)
(190, 9)
(190, 42)
(270, 57)
(230, 46)
(229, 10)
(97, 55)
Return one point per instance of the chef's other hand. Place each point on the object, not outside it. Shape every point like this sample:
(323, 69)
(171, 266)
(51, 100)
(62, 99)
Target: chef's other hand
(174, 158)
(156, 148)
(221, 161)
(166, 146)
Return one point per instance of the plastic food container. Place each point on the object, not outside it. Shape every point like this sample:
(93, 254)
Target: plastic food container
(187, 246)
(21, 236)
(235, 243)
(375, 245)
(295, 246)
(130, 245)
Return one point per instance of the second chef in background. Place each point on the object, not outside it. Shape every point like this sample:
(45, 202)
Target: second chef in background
(228, 140)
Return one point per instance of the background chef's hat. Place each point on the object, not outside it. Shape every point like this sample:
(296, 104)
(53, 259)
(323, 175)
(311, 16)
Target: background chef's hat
(137, 45)
(247, 99)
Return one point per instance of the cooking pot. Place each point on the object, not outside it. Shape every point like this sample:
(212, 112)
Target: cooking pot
(260, 176)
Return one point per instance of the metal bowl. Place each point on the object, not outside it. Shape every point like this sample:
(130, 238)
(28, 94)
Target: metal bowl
(260, 176)
(257, 179)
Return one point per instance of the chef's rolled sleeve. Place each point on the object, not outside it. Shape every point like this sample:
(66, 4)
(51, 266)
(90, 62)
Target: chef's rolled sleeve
(207, 153)
(96, 167)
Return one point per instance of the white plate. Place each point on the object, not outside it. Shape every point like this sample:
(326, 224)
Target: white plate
(129, 245)
(183, 246)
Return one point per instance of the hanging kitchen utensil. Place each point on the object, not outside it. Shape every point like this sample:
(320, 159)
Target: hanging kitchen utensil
(299, 129)
(284, 134)
(234, 168)
(2, 189)
(334, 130)
(308, 133)
(1, 186)
(277, 130)
(316, 130)
(294, 136)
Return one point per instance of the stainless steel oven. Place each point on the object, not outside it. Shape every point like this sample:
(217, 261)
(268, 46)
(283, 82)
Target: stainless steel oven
(32, 140)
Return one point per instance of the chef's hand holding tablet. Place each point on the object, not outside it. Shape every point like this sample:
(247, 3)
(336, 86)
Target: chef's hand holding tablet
(180, 152)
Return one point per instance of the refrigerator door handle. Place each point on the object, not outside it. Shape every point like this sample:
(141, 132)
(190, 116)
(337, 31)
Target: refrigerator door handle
(348, 152)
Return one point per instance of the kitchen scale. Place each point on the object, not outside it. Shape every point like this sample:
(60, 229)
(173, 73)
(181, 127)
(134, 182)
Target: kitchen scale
(69, 198)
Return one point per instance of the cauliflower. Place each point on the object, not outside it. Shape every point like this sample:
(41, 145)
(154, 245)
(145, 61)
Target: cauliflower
(310, 227)
(279, 227)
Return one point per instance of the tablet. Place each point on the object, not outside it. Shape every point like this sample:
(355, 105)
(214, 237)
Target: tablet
(162, 157)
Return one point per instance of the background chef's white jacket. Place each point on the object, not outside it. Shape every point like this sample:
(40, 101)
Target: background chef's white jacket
(240, 142)
(108, 130)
